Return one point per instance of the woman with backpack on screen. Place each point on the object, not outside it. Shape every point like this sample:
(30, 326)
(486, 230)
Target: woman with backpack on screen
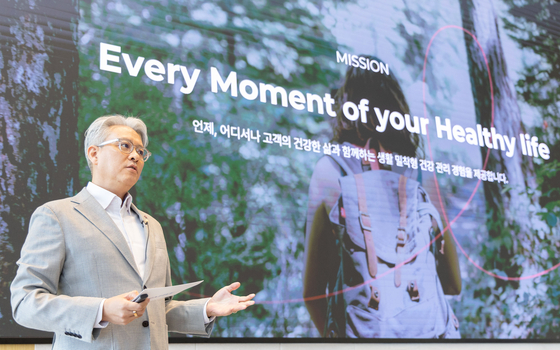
(373, 238)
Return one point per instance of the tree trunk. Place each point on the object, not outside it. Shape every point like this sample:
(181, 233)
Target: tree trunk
(38, 122)
(507, 218)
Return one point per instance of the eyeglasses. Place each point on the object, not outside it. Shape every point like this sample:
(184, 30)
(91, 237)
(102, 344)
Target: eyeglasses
(126, 146)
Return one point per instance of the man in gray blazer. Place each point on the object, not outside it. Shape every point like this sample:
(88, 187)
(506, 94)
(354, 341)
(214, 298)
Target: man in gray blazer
(85, 258)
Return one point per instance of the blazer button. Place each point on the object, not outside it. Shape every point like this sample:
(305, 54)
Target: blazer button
(145, 324)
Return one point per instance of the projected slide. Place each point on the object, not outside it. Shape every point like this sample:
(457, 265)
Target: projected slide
(370, 169)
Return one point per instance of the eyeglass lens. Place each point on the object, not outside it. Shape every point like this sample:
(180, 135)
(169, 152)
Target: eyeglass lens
(127, 147)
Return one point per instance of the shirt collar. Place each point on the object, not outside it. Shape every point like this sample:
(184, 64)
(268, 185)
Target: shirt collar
(109, 200)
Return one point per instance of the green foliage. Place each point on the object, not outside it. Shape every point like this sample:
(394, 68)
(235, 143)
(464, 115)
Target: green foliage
(231, 210)
(235, 210)
(528, 308)
(37, 126)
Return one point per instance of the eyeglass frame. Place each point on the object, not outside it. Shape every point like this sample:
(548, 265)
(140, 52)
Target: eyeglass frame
(134, 147)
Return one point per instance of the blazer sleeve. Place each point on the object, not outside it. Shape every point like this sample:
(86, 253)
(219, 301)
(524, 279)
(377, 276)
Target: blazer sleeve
(186, 316)
(34, 291)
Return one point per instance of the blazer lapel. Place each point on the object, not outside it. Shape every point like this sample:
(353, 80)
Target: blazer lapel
(150, 243)
(98, 217)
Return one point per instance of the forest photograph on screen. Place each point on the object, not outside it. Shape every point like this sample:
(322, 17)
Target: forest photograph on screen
(369, 169)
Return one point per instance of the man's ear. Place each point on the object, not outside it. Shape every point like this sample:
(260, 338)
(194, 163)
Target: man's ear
(92, 153)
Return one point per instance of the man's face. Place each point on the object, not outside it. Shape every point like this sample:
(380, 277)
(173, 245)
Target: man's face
(114, 170)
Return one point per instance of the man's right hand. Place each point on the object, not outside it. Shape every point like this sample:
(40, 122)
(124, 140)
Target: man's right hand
(120, 309)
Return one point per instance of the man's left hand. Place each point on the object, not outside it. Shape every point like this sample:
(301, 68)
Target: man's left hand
(223, 303)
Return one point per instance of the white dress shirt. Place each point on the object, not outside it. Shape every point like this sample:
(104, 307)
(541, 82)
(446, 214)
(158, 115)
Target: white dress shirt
(130, 225)
(128, 222)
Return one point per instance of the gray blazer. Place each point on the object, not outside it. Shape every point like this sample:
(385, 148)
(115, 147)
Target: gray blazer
(74, 255)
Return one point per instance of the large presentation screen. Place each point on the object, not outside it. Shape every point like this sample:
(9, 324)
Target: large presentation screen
(369, 169)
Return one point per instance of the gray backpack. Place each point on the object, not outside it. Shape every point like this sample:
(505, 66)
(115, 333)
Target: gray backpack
(387, 284)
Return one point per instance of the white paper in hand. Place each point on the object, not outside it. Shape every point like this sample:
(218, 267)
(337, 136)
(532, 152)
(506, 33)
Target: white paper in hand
(163, 292)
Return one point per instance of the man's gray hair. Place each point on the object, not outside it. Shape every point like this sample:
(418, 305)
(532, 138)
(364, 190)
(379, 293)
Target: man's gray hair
(101, 128)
